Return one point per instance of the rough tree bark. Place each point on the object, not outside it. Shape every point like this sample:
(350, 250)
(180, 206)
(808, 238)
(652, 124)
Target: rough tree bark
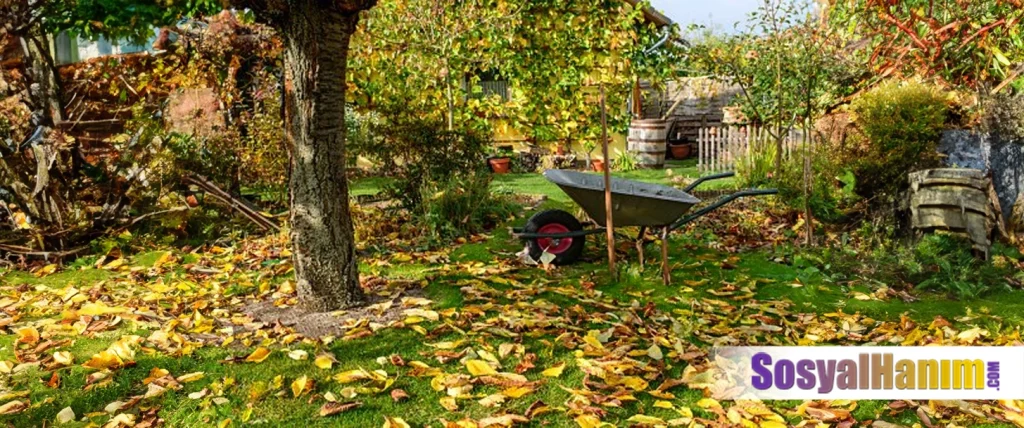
(45, 90)
(317, 34)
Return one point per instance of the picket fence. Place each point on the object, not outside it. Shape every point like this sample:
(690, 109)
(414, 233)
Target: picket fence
(722, 148)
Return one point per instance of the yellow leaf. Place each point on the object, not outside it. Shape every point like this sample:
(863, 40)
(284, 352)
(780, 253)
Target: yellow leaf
(104, 360)
(46, 270)
(22, 221)
(655, 352)
(154, 374)
(591, 340)
(114, 264)
(324, 361)
(298, 354)
(493, 400)
(588, 421)
(707, 403)
(555, 371)
(772, 424)
(390, 422)
(258, 355)
(63, 358)
(28, 335)
(663, 404)
(6, 367)
(449, 404)
(300, 385)
(517, 391)
(100, 309)
(634, 383)
(480, 368)
(191, 377)
(352, 376)
(646, 420)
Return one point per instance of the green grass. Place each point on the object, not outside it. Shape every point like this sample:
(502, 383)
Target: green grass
(697, 274)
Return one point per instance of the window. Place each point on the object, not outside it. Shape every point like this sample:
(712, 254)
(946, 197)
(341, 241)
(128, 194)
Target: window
(491, 84)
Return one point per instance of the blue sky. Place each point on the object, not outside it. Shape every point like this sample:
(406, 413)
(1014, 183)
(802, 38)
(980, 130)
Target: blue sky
(719, 14)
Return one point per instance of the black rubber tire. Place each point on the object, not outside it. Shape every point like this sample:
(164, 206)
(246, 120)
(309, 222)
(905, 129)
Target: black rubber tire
(544, 218)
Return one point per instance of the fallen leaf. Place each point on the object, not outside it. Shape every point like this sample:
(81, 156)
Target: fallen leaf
(390, 422)
(13, 407)
(655, 352)
(65, 415)
(300, 385)
(28, 335)
(555, 371)
(191, 377)
(324, 361)
(258, 355)
(588, 421)
(333, 408)
(480, 368)
(63, 358)
(399, 395)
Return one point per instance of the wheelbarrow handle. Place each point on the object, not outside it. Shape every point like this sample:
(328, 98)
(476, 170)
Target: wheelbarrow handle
(701, 180)
(719, 203)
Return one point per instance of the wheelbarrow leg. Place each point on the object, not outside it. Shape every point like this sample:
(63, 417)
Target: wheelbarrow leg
(664, 255)
(640, 245)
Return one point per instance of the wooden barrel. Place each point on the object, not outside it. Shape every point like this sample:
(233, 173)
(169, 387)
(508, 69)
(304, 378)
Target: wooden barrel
(647, 140)
(956, 200)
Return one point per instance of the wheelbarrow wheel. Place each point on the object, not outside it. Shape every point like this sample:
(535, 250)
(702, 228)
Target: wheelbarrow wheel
(565, 250)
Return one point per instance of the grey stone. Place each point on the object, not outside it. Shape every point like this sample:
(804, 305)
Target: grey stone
(1004, 160)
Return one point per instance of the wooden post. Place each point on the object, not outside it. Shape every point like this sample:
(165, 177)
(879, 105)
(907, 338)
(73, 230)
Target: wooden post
(640, 246)
(701, 151)
(609, 225)
(665, 276)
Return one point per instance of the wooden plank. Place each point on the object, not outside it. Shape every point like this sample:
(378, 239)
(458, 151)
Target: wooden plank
(700, 150)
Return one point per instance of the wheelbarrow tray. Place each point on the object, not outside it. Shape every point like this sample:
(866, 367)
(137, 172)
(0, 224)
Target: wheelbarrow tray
(634, 203)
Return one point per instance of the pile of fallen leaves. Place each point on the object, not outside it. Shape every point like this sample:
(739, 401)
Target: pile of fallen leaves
(514, 336)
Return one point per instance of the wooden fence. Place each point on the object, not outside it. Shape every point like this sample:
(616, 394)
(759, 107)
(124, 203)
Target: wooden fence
(722, 148)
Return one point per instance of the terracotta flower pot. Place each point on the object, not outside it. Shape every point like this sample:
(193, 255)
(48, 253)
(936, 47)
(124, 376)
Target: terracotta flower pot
(597, 164)
(500, 165)
(680, 151)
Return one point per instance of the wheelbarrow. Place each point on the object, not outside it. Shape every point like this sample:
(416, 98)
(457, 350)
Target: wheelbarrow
(634, 204)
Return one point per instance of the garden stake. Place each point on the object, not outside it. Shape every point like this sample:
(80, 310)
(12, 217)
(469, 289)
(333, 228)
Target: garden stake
(664, 255)
(640, 245)
(607, 188)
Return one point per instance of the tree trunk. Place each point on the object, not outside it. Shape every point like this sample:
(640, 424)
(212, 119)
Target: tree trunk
(316, 52)
(44, 81)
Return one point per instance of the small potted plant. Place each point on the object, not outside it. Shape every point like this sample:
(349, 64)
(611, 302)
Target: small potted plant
(500, 162)
(677, 143)
(680, 150)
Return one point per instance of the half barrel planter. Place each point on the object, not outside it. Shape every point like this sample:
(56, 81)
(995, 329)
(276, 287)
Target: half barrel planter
(956, 200)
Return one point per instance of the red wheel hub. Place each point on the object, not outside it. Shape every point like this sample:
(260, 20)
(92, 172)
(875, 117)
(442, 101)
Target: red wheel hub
(554, 245)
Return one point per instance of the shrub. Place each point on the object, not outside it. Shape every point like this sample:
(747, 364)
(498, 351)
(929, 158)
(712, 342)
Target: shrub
(1004, 116)
(758, 167)
(625, 161)
(902, 124)
(831, 186)
(461, 205)
(421, 152)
